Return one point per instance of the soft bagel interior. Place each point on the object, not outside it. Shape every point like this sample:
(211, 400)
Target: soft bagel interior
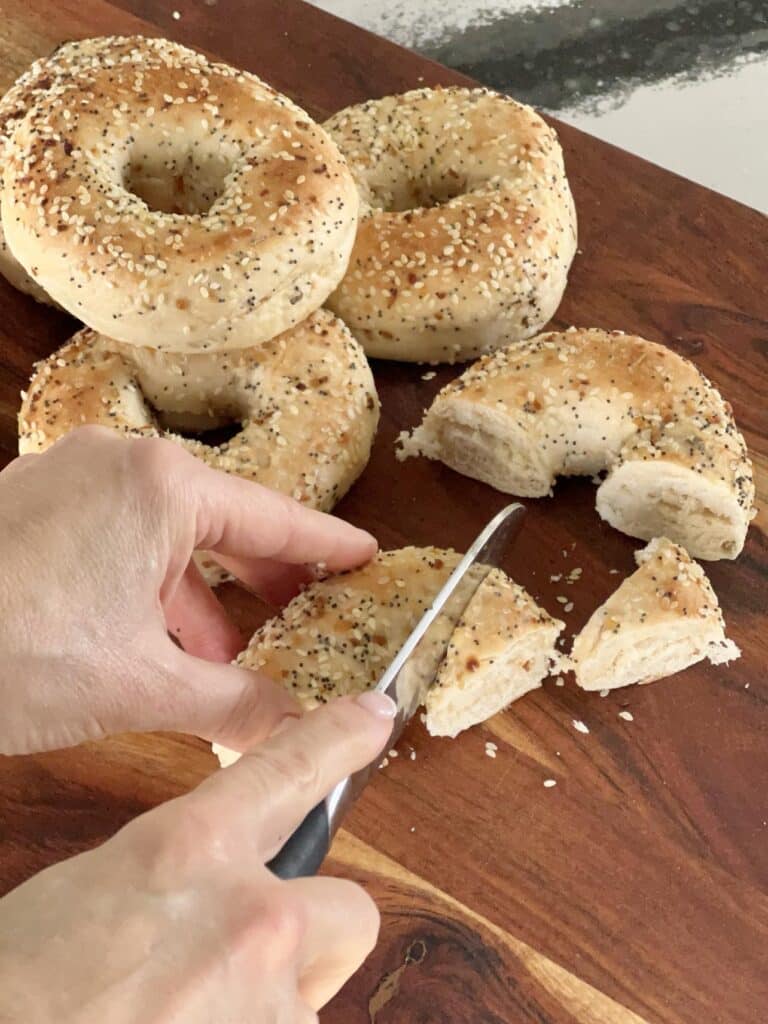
(340, 634)
(588, 402)
(661, 619)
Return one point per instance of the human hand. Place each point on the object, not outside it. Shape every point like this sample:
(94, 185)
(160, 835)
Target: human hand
(176, 918)
(96, 537)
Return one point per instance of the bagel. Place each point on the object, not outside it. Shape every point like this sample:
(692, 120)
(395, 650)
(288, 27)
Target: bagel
(661, 619)
(165, 199)
(586, 401)
(468, 226)
(13, 107)
(340, 634)
(306, 401)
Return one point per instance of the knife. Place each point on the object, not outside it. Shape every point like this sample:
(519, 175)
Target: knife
(406, 680)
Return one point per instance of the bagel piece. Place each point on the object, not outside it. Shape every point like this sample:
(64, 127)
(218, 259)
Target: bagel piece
(468, 226)
(339, 635)
(168, 200)
(582, 402)
(661, 619)
(306, 401)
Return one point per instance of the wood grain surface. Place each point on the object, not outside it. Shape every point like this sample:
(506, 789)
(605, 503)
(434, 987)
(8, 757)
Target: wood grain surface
(637, 888)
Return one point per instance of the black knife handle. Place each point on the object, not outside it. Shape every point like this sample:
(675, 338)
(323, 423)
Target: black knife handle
(305, 850)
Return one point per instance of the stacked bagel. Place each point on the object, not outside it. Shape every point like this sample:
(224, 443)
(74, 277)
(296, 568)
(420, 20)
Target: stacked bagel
(196, 222)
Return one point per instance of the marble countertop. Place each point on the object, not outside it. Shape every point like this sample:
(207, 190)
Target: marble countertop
(683, 83)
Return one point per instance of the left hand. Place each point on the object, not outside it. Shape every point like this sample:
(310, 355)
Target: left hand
(96, 537)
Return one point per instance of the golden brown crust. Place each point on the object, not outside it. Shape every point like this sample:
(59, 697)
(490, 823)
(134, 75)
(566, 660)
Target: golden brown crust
(282, 205)
(306, 399)
(484, 266)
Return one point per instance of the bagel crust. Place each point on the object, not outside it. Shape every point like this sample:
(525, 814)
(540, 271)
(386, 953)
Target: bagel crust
(306, 401)
(168, 200)
(663, 618)
(468, 226)
(340, 634)
(582, 402)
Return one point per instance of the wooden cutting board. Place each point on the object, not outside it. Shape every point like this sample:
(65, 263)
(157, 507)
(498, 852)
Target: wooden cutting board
(637, 888)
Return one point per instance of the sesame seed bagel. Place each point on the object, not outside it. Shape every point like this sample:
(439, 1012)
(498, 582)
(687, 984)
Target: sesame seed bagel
(167, 200)
(306, 401)
(468, 226)
(663, 618)
(339, 635)
(14, 105)
(586, 401)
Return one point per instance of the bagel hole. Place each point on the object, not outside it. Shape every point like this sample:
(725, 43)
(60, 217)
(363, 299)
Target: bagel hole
(420, 194)
(188, 183)
(211, 431)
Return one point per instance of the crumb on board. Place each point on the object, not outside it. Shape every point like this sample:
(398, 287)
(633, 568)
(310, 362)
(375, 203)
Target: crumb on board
(176, 16)
(568, 607)
(613, 572)
(549, 783)
(604, 693)
(559, 681)
(580, 726)
(429, 375)
(392, 753)
(627, 716)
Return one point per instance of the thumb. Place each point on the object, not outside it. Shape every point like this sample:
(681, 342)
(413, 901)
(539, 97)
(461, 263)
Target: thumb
(264, 797)
(225, 703)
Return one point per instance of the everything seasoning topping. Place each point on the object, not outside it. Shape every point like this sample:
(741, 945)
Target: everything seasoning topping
(291, 436)
(591, 401)
(156, 166)
(467, 218)
(338, 636)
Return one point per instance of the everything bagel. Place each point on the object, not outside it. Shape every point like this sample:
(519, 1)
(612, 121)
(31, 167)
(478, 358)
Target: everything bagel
(340, 634)
(306, 401)
(468, 226)
(167, 200)
(585, 401)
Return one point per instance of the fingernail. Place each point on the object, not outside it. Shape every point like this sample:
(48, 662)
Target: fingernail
(378, 704)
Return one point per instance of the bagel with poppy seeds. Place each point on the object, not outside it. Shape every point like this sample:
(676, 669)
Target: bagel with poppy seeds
(15, 104)
(467, 226)
(165, 199)
(661, 619)
(583, 402)
(340, 634)
(306, 403)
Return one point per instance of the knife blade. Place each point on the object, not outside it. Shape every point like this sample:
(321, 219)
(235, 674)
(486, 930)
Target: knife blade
(406, 681)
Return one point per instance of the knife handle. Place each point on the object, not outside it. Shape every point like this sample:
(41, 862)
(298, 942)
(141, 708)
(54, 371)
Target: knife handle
(304, 851)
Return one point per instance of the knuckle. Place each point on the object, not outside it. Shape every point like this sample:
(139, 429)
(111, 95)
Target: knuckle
(154, 458)
(276, 926)
(183, 838)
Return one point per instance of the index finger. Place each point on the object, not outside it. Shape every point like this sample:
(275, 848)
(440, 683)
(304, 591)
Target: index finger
(263, 798)
(242, 519)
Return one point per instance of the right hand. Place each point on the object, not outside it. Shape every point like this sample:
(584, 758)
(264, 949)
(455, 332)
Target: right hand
(177, 919)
